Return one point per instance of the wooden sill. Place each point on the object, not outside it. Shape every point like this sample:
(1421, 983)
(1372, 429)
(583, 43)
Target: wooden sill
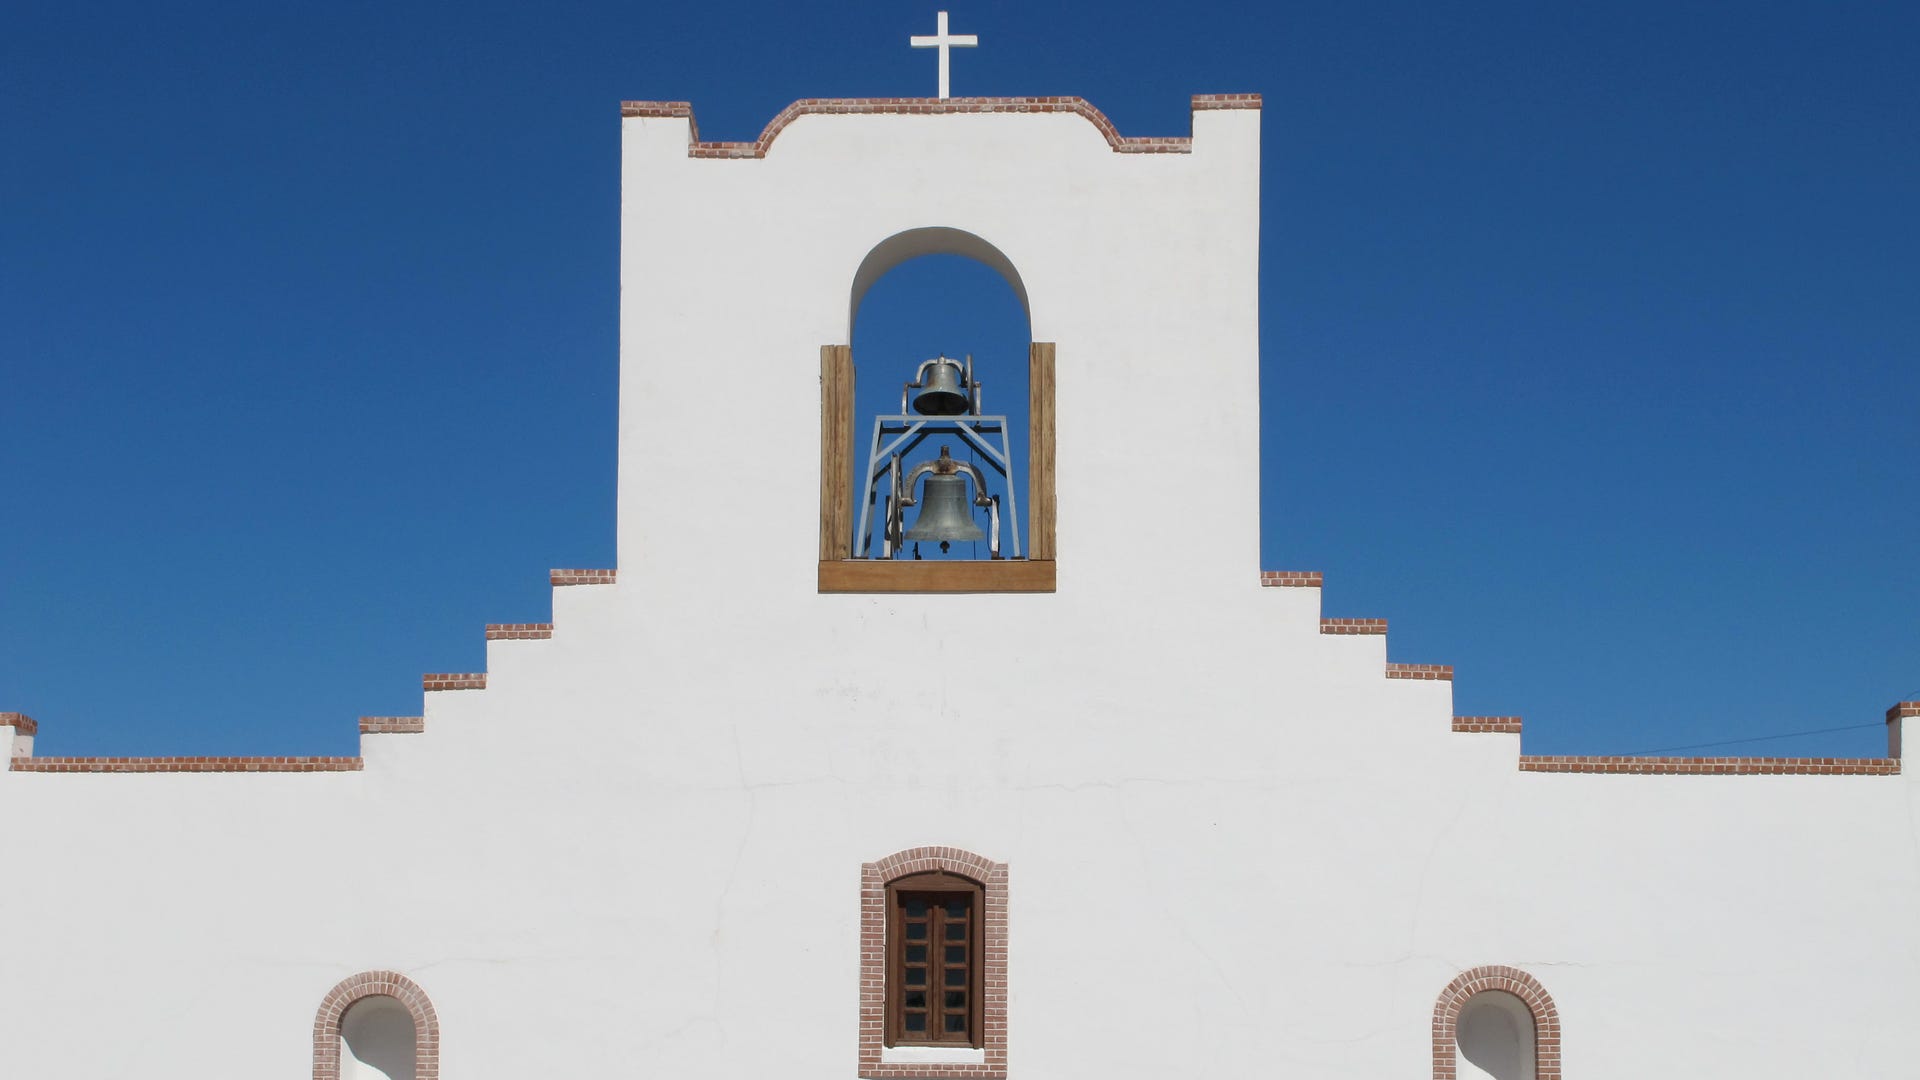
(907, 576)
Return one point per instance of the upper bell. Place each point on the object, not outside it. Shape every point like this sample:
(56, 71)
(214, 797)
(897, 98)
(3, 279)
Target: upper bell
(941, 393)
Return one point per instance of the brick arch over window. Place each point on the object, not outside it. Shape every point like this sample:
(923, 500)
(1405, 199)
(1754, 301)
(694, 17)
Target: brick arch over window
(992, 877)
(326, 1024)
(1511, 980)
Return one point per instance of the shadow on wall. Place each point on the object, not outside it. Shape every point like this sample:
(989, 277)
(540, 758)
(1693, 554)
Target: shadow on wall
(377, 1040)
(1496, 1038)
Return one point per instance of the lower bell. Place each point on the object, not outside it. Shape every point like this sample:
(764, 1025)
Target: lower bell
(946, 512)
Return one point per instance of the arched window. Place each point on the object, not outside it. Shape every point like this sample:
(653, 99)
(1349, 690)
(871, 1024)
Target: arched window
(1496, 1022)
(929, 293)
(933, 952)
(377, 1025)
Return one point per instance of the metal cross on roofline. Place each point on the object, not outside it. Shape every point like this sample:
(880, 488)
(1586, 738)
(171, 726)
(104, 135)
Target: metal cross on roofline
(942, 40)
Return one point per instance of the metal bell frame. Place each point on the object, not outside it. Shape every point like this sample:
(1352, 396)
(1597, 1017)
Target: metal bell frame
(895, 437)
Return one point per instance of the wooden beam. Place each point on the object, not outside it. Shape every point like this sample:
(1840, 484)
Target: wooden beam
(836, 451)
(1040, 484)
(923, 576)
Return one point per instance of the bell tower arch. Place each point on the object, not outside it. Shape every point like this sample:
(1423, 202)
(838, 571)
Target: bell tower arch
(743, 266)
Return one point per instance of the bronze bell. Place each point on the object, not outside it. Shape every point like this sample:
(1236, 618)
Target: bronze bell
(941, 394)
(946, 512)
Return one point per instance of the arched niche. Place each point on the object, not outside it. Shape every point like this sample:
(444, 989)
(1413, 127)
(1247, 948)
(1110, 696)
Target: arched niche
(1498, 1022)
(1495, 1036)
(844, 449)
(377, 1025)
(377, 1037)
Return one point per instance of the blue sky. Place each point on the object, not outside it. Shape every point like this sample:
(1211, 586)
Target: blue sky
(1590, 336)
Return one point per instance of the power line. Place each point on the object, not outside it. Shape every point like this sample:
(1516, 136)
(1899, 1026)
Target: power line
(1754, 739)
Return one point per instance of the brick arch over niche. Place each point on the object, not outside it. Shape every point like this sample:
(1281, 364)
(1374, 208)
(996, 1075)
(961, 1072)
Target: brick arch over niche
(326, 1024)
(992, 877)
(1511, 980)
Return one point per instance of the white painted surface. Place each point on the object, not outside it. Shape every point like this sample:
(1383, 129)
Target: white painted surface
(1235, 848)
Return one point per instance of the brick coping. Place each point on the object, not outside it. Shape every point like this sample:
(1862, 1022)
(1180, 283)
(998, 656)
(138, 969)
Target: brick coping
(1502, 725)
(21, 723)
(187, 764)
(528, 631)
(1123, 144)
(1711, 766)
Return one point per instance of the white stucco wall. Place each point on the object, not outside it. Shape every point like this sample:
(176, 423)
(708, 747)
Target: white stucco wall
(637, 851)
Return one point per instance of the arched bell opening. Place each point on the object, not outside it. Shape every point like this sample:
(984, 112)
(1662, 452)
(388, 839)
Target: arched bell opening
(940, 351)
(937, 424)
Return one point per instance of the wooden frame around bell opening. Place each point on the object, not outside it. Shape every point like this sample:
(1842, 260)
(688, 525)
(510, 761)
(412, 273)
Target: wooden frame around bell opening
(841, 573)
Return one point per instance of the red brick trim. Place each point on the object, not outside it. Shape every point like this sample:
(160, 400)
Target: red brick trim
(473, 680)
(326, 1024)
(519, 631)
(1546, 1018)
(1721, 766)
(582, 577)
(1904, 710)
(1441, 672)
(187, 764)
(1202, 102)
(392, 725)
(1502, 725)
(21, 723)
(1290, 579)
(1122, 144)
(1353, 626)
(874, 876)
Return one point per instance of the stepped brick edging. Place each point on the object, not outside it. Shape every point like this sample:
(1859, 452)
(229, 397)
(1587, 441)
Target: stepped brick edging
(1723, 766)
(582, 577)
(470, 680)
(1204, 102)
(1123, 144)
(187, 764)
(1432, 672)
(1903, 710)
(21, 723)
(1502, 725)
(392, 725)
(1290, 579)
(1353, 626)
(524, 631)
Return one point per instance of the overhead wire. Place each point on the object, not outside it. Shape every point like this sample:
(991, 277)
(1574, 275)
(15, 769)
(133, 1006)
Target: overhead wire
(1752, 739)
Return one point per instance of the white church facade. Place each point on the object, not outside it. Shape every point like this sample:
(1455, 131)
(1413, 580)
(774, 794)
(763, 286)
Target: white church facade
(769, 803)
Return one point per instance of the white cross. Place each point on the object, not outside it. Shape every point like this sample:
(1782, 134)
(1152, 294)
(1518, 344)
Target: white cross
(942, 40)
